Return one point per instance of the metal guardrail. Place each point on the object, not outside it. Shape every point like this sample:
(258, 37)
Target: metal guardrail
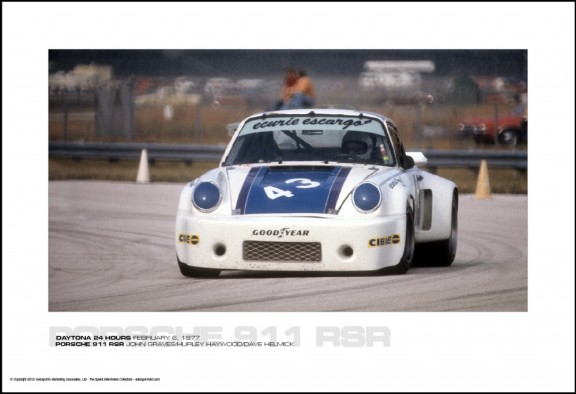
(213, 153)
(472, 158)
(111, 151)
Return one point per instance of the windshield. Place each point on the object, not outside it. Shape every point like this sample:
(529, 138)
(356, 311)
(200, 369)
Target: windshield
(308, 138)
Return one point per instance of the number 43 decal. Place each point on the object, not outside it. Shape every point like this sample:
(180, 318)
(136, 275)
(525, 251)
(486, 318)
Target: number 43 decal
(304, 183)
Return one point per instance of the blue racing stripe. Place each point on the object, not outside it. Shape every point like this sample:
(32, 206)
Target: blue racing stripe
(241, 203)
(336, 189)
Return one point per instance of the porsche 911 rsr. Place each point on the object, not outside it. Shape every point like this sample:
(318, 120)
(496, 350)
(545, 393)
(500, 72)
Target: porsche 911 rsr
(315, 190)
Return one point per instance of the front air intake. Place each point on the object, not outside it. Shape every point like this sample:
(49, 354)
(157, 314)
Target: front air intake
(282, 251)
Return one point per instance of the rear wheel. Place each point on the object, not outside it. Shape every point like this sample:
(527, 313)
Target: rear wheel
(197, 272)
(441, 253)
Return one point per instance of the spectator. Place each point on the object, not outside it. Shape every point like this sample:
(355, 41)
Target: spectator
(290, 78)
(520, 108)
(300, 95)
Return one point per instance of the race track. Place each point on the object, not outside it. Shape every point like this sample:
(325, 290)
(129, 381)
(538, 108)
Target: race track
(111, 248)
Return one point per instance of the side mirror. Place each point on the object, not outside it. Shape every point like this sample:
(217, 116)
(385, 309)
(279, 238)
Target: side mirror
(408, 162)
(419, 158)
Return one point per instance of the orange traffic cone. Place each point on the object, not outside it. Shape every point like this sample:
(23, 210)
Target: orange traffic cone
(483, 183)
(143, 173)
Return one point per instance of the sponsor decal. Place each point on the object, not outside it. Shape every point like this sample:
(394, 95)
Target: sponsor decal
(342, 123)
(191, 239)
(383, 241)
(395, 182)
(281, 233)
(276, 123)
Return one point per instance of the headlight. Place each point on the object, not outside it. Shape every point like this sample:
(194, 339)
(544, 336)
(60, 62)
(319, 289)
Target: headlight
(481, 127)
(366, 197)
(206, 196)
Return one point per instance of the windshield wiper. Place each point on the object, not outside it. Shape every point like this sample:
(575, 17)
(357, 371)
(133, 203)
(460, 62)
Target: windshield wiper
(299, 141)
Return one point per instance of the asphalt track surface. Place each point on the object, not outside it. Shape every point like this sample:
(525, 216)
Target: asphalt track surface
(111, 248)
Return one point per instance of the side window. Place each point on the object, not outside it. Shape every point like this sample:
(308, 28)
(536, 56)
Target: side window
(398, 147)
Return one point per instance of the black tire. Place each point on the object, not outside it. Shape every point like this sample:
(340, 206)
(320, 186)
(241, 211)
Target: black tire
(508, 137)
(406, 262)
(441, 253)
(197, 272)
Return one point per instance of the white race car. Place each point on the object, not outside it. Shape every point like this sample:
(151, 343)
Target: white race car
(315, 190)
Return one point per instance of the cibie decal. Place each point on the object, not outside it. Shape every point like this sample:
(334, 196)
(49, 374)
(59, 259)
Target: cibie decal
(281, 233)
(383, 241)
(188, 239)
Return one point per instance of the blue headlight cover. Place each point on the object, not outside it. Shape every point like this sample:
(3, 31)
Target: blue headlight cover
(367, 197)
(206, 196)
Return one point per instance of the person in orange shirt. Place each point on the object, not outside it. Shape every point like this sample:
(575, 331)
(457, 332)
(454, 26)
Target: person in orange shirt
(300, 95)
(290, 78)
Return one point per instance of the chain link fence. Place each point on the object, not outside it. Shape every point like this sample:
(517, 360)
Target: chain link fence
(186, 111)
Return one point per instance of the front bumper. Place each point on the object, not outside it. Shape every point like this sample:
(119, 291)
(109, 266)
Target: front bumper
(265, 243)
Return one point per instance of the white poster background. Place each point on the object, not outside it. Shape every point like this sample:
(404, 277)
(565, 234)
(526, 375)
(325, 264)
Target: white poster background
(531, 351)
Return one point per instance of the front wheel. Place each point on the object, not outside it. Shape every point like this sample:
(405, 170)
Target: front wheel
(409, 243)
(508, 137)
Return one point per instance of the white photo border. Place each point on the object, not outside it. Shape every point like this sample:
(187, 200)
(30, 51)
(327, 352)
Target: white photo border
(531, 351)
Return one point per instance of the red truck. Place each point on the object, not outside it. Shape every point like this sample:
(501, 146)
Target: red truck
(505, 130)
